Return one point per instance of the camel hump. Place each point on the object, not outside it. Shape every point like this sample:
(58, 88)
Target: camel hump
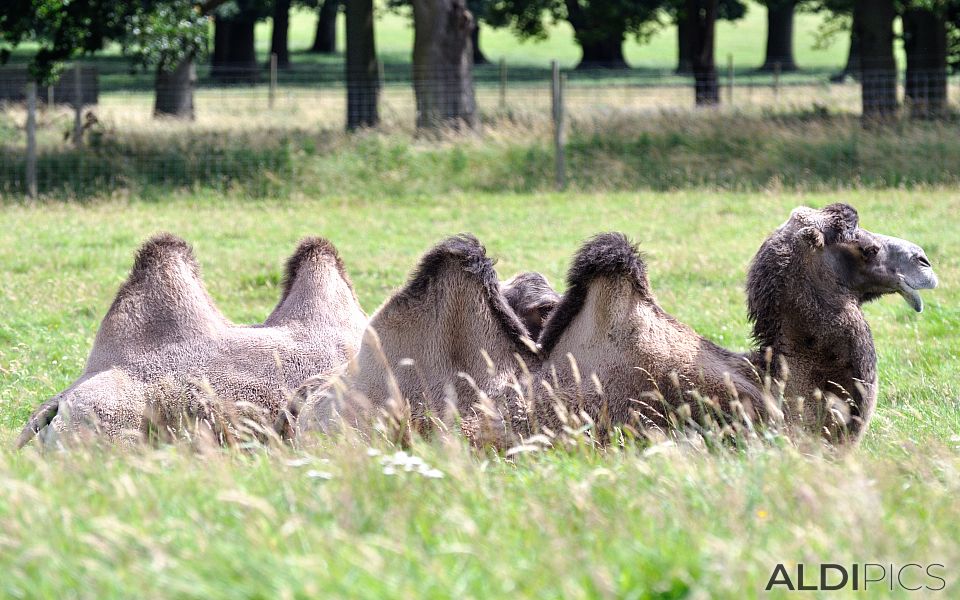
(317, 289)
(311, 251)
(162, 301)
(606, 255)
(159, 250)
(465, 257)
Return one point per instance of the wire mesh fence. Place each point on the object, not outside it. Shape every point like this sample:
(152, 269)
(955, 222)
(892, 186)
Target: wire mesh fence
(248, 121)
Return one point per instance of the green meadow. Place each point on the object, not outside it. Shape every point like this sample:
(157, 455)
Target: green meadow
(326, 519)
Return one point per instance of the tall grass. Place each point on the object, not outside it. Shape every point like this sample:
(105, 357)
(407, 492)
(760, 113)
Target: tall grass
(512, 152)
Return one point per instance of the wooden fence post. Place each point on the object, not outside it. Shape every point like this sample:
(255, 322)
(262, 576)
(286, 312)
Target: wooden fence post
(556, 94)
(77, 107)
(776, 82)
(730, 79)
(32, 139)
(273, 80)
(503, 84)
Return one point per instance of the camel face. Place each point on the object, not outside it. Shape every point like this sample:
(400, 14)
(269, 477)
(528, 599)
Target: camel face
(530, 296)
(887, 264)
(868, 264)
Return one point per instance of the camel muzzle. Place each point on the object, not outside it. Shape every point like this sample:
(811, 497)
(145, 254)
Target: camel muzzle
(913, 269)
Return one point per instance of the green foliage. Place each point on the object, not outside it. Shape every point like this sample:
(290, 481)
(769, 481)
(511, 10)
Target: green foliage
(596, 20)
(154, 32)
(163, 33)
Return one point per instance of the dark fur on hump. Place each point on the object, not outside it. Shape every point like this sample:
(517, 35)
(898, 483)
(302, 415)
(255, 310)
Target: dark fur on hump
(160, 248)
(604, 255)
(468, 255)
(156, 252)
(311, 248)
(771, 267)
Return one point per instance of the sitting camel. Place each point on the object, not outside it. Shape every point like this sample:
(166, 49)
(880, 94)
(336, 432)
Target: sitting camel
(164, 347)
(609, 354)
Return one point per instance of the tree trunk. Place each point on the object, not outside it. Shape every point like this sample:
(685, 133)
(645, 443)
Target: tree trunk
(684, 63)
(602, 52)
(174, 90)
(925, 42)
(325, 41)
(478, 57)
(780, 36)
(443, 64)
(362, 72)
(874, 22)
(701, 26)
(234, 52)
(279, 34)
(602, 46)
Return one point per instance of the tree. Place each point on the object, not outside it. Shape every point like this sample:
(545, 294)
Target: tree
(701, 27)
(728, 10)
(873, 20)
(362, 70)
(478, 8)
(779, 51)
(234, 44)
(149, 30)
(443, 64)
(325, 39)
(167, 35)
(925, 43)
(279, 33)
(599, 26)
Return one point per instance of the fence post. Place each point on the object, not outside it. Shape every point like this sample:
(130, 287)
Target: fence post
(50, 99)
(776, 82)
(77, 108)
(32, 139)
(556, 95)
(273, 80)
(730, 79)
(503, 84)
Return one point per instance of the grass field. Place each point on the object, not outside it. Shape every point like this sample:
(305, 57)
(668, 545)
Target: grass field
(326, 521)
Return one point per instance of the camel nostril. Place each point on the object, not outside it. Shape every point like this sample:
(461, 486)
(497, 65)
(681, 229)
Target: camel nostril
(923, 261)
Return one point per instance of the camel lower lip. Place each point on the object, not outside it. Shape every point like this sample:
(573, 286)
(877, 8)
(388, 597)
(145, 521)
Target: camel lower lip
(912, 296)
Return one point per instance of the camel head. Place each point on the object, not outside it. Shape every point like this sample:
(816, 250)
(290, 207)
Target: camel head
(867, 264)
(530, 296)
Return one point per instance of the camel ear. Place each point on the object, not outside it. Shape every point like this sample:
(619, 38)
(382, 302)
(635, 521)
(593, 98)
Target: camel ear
(841, 221)
(812, 237)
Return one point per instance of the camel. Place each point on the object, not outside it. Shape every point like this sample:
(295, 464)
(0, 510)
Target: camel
(805, 288)
(530, 296)
(164, 347)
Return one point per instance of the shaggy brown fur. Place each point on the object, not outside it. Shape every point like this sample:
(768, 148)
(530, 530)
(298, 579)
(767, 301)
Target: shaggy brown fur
(437, 346)
(633, 363)
(804, 291)
(530, 296)
(611, 356)
(164, 349)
